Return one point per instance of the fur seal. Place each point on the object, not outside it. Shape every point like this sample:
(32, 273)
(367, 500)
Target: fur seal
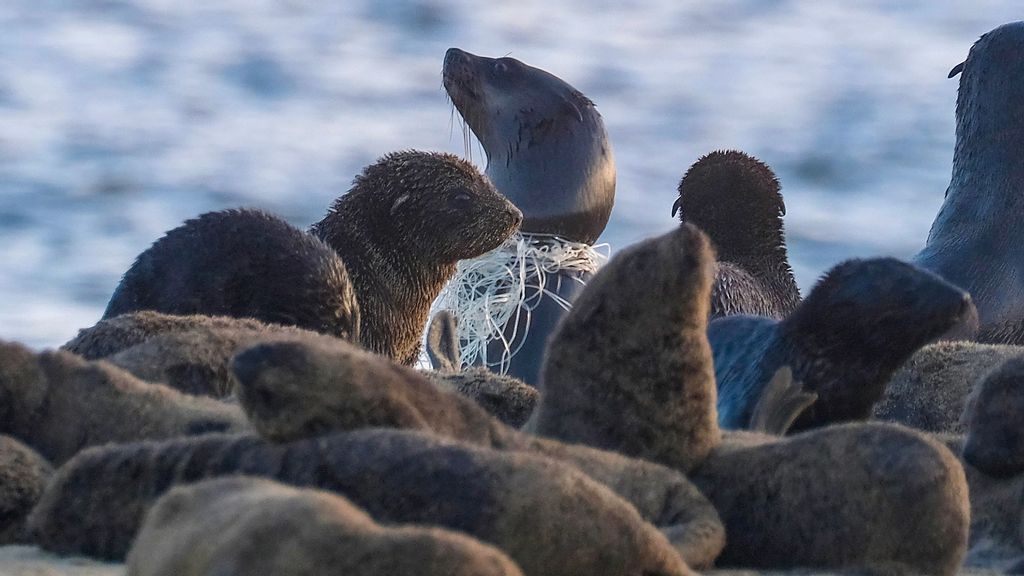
(758, 483)
(734, 198)
(646, 373)
(112, 335)
(294, 389)
(401, 228)
(548, 152)
(548, 517)
(930, 390)
(23, 475)
(546, 145)
(58, 404)
(995, 438)
(248, 526)
(972, 242)
(859, 323)
(242, 263)
(509, 399)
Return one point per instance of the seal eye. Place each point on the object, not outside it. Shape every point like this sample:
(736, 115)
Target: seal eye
(460, 199)
(500, 67)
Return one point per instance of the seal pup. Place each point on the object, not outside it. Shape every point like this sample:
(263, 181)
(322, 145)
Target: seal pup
(58, 404)
(758, 483)
(528, 506)
(508, 399)
(294, 389)
(549, 153)
(859, 323)
(644, 374)
(112, 335)
(734, 198)
(245, 526)
(242, 263)
(930, 390)
(994, 442)
(972, 242)
(23, 475)
(401, 228)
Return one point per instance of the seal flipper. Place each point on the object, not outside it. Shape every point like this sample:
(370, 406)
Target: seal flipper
(781, 402)
(443, 342)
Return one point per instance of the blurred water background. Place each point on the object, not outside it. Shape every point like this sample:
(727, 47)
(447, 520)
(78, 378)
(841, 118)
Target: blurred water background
(121, 118)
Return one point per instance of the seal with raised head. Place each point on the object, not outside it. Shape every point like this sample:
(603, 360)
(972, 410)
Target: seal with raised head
(245, 264)
(735, 199)
(401, 228)
(548, 152)
(974, 241)
(860, 322)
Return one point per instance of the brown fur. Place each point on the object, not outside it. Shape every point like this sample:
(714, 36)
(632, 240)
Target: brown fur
(507, 398)
(302, 389)
(930, 390)
(633, 352)
(112, 335)
(549, 518)
(842, 496)
(23, 475)
(59, 403)
(247, 526)
(401, 228)
(992, 416)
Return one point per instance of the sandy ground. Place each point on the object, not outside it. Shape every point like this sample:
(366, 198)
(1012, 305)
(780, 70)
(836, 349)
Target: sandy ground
(31, 561)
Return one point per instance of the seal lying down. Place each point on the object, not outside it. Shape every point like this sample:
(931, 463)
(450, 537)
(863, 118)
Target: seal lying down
(860, 322)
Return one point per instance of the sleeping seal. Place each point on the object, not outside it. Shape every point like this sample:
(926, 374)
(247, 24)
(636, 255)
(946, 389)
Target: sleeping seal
(548, 152)
(974, 241)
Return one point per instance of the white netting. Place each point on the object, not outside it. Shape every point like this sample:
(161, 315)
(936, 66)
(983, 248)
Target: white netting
(506, 285)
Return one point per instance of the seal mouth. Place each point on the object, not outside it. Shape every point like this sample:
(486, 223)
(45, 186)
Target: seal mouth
(462, 82)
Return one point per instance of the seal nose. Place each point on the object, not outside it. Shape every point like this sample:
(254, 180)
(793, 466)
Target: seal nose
(455, 56)
(516, 214)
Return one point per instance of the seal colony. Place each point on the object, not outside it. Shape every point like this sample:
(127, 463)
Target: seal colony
(327, 451)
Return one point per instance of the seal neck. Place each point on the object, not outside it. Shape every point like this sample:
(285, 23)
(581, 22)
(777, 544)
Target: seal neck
(559, 172)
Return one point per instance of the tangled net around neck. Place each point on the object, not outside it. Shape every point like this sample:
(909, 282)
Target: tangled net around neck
(505, 285)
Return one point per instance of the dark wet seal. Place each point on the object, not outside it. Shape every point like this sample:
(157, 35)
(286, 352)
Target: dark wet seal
(401, 229)
(975, 240)
(735, 199)
(859, 323)
(245, 264)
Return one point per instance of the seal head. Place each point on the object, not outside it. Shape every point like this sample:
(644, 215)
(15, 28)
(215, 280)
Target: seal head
(735, 199)
(546, 145)
(975, 240)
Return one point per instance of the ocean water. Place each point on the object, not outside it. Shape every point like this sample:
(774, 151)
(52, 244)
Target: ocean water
(120, 119)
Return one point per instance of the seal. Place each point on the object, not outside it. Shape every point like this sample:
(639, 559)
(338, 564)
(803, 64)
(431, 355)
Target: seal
(735, 199)
(401, 229)
(246, 264)
(995, 438)
(548, 152)
(23, 475)
(528, 506)
(973, 241)
(303, 388)
(930, 390)
(639, 339)
(240, 526)
(58, 404)
(546, 145)
(859, 323)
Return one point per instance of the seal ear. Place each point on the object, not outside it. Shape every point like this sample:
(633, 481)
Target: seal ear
(675, 206)
(957, 69)
(443, 342)
(398, 203)
(781, 402)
